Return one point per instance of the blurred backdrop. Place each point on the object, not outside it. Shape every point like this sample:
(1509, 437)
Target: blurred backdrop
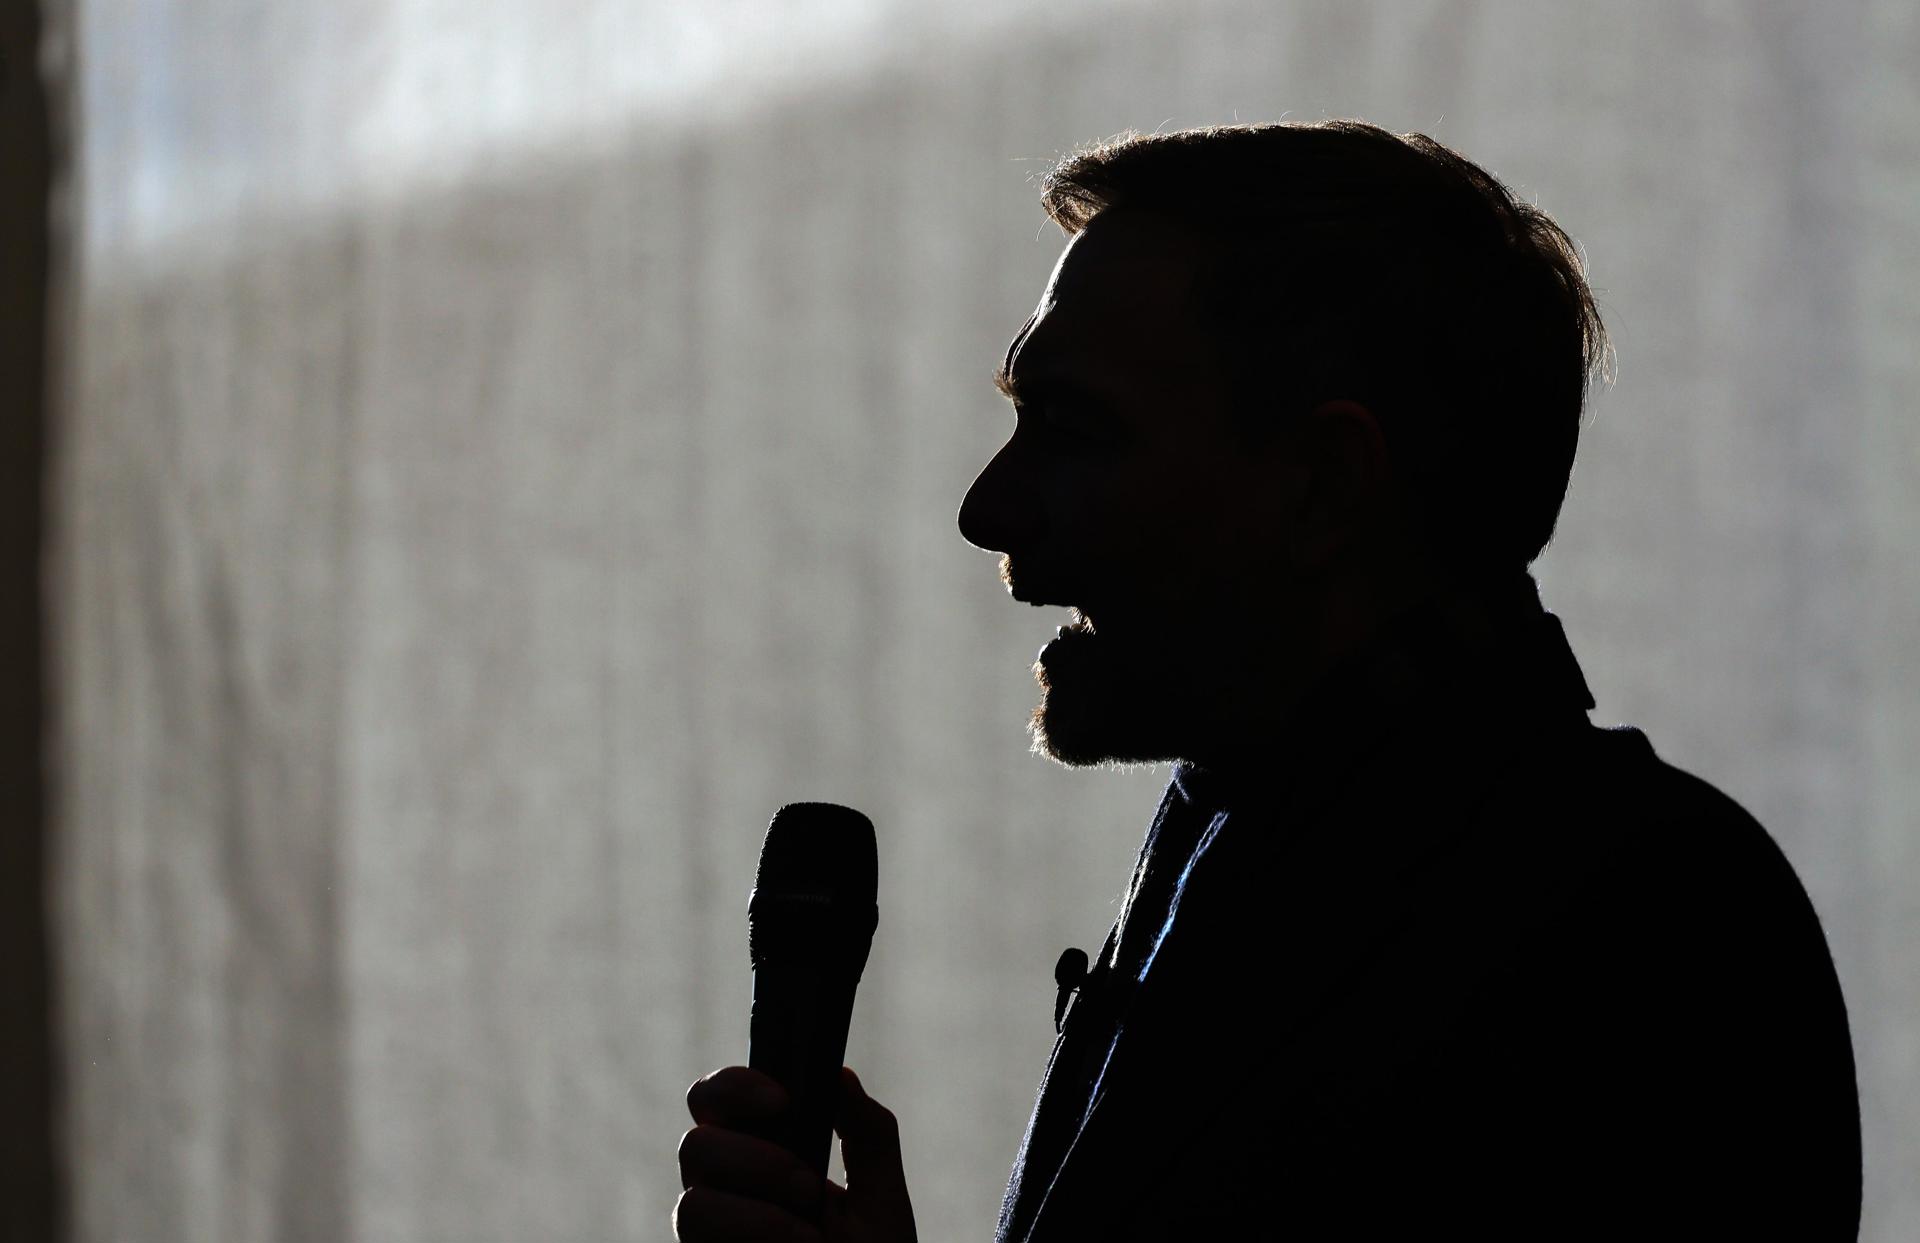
(501, 451)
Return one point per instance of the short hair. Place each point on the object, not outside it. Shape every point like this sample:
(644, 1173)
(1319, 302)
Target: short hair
(1345, 261)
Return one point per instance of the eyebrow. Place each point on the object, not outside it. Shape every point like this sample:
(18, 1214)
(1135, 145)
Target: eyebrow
(1003, 380)
(1003, 375)
(1033, 388)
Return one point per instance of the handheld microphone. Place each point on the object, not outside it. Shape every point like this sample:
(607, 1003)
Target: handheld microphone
(810, 926)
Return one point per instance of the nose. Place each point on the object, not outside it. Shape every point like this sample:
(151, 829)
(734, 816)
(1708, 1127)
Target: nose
(1000, 511)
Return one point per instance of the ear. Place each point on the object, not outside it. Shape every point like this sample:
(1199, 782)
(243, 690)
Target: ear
(1347, 481)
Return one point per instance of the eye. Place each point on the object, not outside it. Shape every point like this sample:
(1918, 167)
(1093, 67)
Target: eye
(1067, 424)
(1040, 416)
(1067, 420)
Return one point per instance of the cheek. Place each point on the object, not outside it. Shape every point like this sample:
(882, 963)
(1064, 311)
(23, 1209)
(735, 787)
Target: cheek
(1165, 529)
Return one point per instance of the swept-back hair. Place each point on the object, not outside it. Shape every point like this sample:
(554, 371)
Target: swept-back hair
(1344, 261)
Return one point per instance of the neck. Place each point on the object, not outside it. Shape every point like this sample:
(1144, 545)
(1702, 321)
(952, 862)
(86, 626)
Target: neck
(1289, 698)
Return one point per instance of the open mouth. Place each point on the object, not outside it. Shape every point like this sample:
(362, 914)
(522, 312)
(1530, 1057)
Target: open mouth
(1069, 642)
(1079, 626)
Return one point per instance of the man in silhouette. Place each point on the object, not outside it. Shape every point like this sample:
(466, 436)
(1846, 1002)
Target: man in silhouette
(1411, 945)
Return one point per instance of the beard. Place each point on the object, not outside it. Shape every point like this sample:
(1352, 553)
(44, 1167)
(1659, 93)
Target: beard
(1103, 701)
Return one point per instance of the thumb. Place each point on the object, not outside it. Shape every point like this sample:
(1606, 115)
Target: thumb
(869, 1138)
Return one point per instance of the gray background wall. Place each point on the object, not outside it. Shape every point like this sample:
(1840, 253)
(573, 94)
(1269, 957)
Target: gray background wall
(505, 453)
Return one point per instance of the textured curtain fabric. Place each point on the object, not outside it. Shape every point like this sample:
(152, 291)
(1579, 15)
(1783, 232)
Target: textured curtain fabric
(490, 478)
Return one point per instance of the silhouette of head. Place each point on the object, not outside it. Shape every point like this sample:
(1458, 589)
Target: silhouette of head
(1284, 381)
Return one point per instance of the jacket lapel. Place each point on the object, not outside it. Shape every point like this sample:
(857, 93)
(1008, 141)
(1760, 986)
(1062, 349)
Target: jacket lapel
(1049, 1127)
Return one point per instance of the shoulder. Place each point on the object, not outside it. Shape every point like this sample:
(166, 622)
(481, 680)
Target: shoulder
(1689, 973)
(1602, 999)
(1665, 884)
(1684, 851)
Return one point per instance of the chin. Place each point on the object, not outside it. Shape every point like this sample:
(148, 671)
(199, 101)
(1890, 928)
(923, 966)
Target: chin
(1084, 721)
(1065, 745)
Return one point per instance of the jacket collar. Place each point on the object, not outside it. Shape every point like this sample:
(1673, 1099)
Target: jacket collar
(1485, 649)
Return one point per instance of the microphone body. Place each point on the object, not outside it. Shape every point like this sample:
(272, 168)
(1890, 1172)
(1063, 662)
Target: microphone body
(798, 1037)
(810, 926)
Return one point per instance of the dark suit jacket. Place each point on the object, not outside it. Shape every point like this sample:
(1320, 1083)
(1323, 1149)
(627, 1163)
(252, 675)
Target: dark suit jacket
(1459, 961)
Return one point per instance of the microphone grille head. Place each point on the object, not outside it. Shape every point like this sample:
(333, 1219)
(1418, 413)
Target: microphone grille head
(819, 847)
(816, 887)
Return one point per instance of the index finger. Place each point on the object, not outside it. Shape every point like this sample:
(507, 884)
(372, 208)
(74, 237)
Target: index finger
(734, 1095)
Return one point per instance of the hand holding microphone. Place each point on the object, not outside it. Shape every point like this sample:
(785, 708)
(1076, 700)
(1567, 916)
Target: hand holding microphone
(754, 1165)
(742, 1187)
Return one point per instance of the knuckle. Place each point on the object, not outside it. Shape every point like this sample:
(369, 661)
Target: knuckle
(686, 1215)
(713, 1091)
(734, 1094)
(690, 1145)
(698, 1215)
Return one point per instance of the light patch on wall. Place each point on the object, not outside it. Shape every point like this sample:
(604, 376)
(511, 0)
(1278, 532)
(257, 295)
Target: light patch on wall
(201, 121)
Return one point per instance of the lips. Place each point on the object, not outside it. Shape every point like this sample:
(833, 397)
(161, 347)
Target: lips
(1079, 625)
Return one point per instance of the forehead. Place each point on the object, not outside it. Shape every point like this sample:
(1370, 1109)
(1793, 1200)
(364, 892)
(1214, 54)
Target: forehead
(1115, 312)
